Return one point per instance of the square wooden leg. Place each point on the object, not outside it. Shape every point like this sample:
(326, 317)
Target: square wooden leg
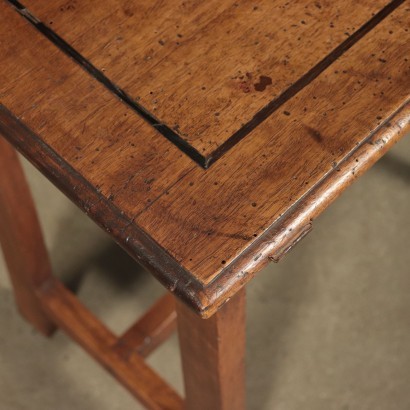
(212, 350)
(21, 240)
(213, 356)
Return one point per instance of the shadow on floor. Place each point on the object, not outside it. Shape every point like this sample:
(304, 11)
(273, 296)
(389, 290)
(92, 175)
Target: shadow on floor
(397, 166)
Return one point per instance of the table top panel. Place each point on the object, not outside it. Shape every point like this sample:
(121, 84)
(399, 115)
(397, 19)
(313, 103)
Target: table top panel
(208, 72)
(73, 114)
(216, 214)
(203, 232)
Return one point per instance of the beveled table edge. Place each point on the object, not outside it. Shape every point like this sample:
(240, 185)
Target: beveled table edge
(276, 241)
(297, 222)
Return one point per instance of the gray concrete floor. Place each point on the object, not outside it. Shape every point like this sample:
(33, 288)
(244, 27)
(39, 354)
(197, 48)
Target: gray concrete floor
(328, 328)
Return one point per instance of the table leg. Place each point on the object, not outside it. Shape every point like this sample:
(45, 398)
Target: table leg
(213, 356)
(21, 239)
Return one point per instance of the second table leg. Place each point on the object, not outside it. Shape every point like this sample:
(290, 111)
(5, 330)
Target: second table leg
(213, 356)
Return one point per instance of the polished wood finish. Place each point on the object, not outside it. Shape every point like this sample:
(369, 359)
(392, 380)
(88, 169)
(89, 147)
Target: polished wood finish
(204, 233)
(45, 302)
(21, 240)
(249, 61)
(225, 210)
(151, 330)
(97, 340)
(213, 356)
(205, 138)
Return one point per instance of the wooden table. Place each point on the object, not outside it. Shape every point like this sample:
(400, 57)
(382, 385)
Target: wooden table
(205, 138)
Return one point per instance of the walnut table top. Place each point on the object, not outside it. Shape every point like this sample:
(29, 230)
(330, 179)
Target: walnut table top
(204, 136)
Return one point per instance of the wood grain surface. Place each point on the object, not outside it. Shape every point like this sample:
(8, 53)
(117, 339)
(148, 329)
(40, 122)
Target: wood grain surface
(285, 157)
(213, 356)
(80, 324)
(21, 240)
(205, 233)
(206, 69)
(75, 115)
(152, 329)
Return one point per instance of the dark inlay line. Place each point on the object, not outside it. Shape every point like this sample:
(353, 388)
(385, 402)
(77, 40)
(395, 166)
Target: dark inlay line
(257, 119)
(167, 132)
(303, 81)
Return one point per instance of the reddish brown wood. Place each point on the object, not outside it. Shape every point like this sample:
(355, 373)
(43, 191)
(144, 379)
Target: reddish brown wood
(21, 240)
(43, 301)
(331, 81)
(205, 233)
(294, 225)
(210, 218)
(97, 340)
(213, 356)
(151, 330)
(84, 123)
(220, 61)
